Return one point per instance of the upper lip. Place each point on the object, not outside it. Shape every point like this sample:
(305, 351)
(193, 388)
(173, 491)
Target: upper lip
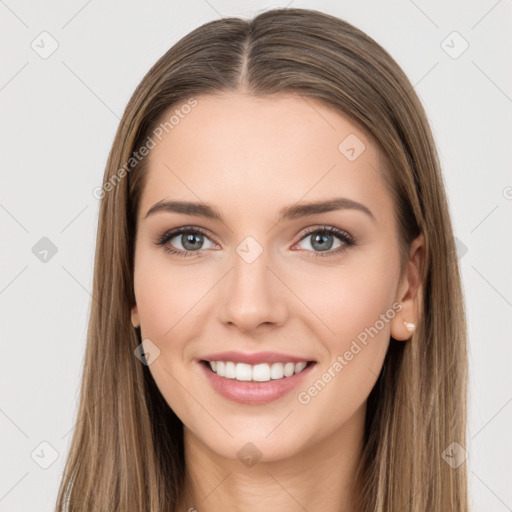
(254, 358)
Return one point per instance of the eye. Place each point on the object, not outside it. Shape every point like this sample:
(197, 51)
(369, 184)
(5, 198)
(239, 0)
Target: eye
(188, 240)
(322, 240)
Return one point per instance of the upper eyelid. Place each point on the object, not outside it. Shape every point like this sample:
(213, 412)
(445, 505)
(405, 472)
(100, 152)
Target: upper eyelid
(329, 229)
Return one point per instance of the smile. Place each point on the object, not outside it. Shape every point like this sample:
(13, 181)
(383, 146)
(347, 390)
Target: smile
(256, 384)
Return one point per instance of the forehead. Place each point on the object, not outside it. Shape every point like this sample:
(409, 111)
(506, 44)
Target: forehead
(251, 152)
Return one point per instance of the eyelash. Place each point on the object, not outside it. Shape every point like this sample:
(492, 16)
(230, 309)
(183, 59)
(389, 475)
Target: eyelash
(345, 238)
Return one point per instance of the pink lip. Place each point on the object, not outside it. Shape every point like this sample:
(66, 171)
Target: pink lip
(254, 393)
(256, 358)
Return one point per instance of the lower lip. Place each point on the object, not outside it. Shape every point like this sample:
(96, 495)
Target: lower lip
(254, 393)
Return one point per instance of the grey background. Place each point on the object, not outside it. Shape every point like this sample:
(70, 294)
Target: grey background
(59, 115)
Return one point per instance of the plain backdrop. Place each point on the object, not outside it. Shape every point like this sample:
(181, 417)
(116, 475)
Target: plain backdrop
(68, 70)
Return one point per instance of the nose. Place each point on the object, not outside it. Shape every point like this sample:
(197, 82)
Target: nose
(253, 297)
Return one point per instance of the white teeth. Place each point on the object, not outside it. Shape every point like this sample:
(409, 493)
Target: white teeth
(289, 369)
(230, 370)
(243, 371)
(260, 372)
(300, 366)
(277, 371)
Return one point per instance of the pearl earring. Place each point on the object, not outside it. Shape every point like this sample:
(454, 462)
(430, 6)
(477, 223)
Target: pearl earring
(409, 326)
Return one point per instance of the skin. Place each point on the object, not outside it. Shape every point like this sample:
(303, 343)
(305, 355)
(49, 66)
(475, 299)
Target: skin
(249, 157)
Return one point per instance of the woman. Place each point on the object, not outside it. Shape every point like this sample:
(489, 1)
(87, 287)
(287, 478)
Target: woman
(278, 321)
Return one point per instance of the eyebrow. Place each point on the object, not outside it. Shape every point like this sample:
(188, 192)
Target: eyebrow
(287, 213)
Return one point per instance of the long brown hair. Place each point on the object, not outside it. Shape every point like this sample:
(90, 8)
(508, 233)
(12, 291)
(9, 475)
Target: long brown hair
(126, 453)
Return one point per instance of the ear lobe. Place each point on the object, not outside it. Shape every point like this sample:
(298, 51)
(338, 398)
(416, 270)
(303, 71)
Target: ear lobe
(410, 293)
(135, 317)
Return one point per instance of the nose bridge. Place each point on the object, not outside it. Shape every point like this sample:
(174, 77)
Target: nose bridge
(250, 274)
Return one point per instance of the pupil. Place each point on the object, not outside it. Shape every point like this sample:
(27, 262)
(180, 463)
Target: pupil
(322, 245)
(188, 241)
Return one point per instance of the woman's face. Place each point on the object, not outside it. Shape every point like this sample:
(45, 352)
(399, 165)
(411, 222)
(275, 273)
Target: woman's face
(262, 276)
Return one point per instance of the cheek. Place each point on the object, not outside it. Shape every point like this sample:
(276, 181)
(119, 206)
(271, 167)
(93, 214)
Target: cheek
(168, 301)
(167, 297)
(347, 299)
(351, 303)
(362, 299)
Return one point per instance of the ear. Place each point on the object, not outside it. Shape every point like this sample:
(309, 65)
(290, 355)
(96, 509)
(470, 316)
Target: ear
(135, 317)
(410, 291)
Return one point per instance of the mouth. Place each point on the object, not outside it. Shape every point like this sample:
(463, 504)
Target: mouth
(256, 384)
